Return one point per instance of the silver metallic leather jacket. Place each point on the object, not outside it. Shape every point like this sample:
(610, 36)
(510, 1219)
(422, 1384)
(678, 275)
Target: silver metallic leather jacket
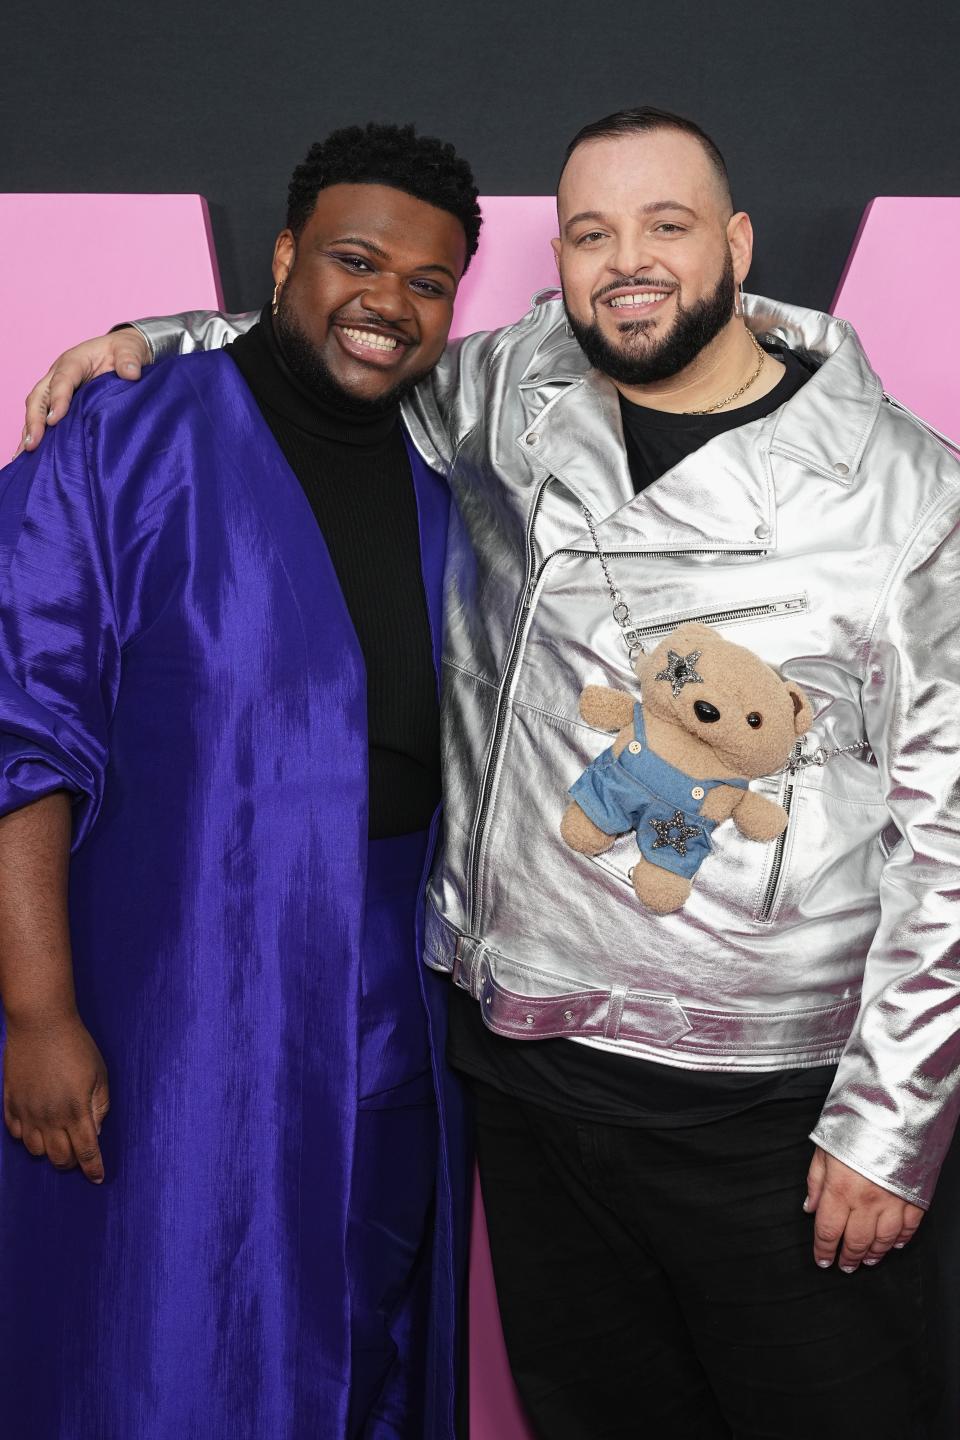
(824, 537)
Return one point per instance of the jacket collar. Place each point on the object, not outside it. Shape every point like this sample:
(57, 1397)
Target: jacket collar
(573, 431)
(825, 426)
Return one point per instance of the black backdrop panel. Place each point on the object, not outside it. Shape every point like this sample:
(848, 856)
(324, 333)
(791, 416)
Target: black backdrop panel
(818, 107)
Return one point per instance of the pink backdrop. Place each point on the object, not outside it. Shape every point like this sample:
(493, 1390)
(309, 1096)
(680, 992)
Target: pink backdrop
(75, 264)
(901, 291)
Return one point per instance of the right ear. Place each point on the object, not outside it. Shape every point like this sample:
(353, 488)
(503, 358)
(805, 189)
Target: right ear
(284, 253)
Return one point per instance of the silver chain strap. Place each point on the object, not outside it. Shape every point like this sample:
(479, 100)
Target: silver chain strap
(631, 639)
(820, 756)
(621, 610)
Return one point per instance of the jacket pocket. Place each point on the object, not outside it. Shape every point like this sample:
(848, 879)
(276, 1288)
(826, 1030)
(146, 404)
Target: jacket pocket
(770, 609)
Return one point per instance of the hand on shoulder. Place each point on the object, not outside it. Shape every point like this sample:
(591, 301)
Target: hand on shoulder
(124, 351)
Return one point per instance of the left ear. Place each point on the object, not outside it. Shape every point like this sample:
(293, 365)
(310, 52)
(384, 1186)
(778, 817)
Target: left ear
(740, 240)
(802, 711)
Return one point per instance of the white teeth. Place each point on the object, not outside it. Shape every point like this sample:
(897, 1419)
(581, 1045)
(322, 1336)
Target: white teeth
(371, 338)
(647, 298)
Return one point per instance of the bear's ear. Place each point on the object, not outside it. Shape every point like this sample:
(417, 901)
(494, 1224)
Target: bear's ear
(802, 712)
(642, 664)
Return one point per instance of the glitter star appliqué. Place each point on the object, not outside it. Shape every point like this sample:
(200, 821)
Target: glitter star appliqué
(680, 670)
(678, 841)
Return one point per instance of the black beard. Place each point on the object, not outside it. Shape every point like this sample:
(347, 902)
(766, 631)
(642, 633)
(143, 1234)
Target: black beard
(693, 329)
(311, 370)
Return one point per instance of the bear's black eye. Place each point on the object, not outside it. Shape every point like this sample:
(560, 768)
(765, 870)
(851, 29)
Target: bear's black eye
(754, 720)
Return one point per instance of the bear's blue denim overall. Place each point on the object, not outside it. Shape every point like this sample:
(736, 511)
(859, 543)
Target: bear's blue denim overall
(635, 789)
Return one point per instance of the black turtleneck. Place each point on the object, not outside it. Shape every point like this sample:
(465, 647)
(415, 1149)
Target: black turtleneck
(356, 475)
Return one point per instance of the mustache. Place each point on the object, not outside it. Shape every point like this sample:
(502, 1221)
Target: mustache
(636, 281)
(370, 320)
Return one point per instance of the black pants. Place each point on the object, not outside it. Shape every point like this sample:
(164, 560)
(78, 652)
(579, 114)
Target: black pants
(659, 1284)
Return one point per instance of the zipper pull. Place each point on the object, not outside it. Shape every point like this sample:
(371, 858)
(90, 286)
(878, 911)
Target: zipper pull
(798, 761)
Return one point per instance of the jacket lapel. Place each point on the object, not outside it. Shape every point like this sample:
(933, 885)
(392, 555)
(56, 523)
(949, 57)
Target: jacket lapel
(433, 514)
(718, 498)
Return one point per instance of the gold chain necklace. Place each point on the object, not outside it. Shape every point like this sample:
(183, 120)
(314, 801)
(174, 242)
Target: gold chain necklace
(709, 409)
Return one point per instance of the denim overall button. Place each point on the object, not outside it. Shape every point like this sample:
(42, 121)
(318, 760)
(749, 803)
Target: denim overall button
(634, 747)
(698, 792)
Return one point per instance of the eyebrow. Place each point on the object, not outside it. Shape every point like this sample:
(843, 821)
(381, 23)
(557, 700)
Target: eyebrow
(372, 249)
(652, 208)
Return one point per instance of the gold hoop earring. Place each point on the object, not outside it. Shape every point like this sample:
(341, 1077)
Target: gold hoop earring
(275, 303)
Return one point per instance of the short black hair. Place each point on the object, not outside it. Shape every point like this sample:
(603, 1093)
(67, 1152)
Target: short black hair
(645, 119)
(428, 169)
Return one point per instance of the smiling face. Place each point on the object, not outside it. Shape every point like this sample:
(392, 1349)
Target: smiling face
(649, 254)
(367, 292)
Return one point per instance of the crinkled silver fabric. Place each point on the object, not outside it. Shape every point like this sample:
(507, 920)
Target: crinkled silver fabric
(824, 537)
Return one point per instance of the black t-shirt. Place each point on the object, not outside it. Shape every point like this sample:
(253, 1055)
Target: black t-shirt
(657, 441)
(356, 474)
(582, 1080)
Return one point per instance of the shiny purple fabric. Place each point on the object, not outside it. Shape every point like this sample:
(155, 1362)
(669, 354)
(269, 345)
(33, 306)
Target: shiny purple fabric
(175, 650)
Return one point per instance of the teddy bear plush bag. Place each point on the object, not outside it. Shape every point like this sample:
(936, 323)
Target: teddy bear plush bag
(712, 717)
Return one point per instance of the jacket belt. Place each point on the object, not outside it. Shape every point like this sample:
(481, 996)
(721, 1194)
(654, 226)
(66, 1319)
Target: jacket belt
(642, 1016)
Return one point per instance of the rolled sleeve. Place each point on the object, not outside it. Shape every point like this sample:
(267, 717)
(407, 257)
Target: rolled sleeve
(59, 646)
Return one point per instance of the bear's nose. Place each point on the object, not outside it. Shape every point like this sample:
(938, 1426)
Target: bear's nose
(705, 711)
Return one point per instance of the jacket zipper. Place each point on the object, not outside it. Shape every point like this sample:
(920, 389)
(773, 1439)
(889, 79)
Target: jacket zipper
(516, 640)
(489, 769)
(791, 606)
(776, 868)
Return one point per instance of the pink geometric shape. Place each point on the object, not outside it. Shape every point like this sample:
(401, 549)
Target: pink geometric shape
(495, 1410)
(900, 291)
(73, 265)
(513, 262)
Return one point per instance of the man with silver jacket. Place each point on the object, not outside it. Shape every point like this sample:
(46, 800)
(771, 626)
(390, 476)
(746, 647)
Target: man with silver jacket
(650, 449)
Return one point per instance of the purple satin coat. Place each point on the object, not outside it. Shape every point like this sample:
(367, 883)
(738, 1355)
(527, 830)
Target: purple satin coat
(176, 651)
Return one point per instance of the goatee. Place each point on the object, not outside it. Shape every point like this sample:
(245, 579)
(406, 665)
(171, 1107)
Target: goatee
(692, 331)
(312, 372)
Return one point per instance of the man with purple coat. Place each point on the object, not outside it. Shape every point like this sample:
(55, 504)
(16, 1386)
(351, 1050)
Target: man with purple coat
(219, 777)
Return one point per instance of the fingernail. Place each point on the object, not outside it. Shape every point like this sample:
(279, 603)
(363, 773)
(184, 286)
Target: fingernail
(806, 1204)
(129, 365)
(824, 1264)
(872, 1262)
(848, 1269)
(50, 413)
(27, 438)
(900, 1245)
